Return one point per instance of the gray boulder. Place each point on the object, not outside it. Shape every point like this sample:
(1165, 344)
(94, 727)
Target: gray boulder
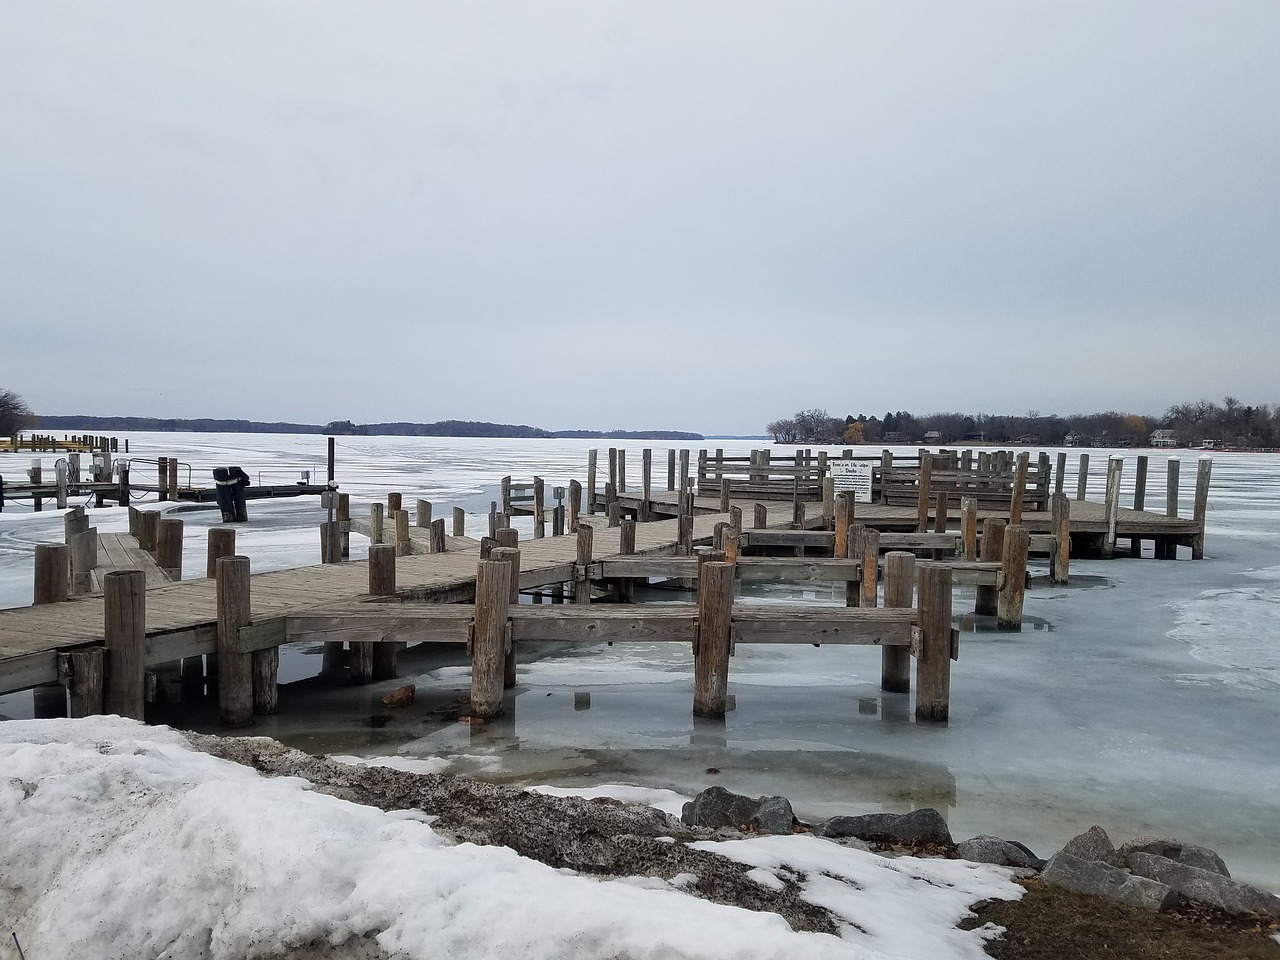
(716, 807)
(1207, 886)
(1004, 853)
(1093, 844)
(915, 827)
(1174, 849)
(1104, 880)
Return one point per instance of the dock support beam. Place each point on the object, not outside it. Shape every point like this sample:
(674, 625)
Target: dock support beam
(899, 588)
(124, 635)
(1201, 506)
(985, 598)
(1060, 562)
(582, 586)
(382, 583)
(933, 654)
(1013, 563)
(712, 650)
(492, 634)
(52, 573)
(235, 669)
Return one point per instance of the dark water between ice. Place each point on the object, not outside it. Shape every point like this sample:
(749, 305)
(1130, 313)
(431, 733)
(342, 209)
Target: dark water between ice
(1144, 697)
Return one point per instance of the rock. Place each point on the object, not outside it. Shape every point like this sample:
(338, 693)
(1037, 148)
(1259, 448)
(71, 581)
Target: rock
(987, 849)
(1093, 844)
(1207, 886)
(923, 824)
(774, 815)
(1172, 848)
(716, 807)
(914, 827)
(1104, 880)
(400, 697)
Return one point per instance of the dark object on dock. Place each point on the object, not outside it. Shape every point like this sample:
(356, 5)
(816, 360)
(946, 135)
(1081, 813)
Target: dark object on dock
(229, 491)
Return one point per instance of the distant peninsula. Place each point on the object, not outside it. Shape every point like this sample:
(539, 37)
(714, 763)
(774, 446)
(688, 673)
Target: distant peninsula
(345, 428)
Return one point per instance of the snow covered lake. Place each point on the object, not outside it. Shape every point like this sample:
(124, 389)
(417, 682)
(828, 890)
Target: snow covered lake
(1143, 697)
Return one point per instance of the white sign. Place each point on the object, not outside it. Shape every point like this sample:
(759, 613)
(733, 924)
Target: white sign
(852, 475)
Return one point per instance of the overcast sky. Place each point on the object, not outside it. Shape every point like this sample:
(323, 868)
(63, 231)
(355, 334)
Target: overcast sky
(695, 216)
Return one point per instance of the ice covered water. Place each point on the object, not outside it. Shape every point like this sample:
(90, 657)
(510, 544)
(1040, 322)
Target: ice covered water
(1144, 697)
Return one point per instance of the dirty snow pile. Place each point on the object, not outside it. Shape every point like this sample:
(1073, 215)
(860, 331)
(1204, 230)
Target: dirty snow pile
(119, 840)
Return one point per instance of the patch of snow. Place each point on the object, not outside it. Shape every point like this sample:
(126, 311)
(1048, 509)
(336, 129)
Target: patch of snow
(407, 764)
(668, 801)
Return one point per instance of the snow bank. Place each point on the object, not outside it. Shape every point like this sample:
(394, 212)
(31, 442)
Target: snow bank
(120, 841)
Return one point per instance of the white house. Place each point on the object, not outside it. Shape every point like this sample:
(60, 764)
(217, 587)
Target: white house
(1164, 438)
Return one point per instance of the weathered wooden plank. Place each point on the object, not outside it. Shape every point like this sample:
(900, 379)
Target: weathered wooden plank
(876, 626)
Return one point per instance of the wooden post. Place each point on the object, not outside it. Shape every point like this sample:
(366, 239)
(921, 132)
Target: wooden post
(506, 487)
(591, 483)
(828, 497)
(797, 515)
(1171, 487)
(844, 516)
(1111, 505)
(169, 547)
(940, 517)
(1139, 501)
(759, 516)
(395, 502)
(671, 470)
(162, 478)
(539, 510)
(684, 474)
(122, 488)
(933, 659)
(1201, 506)
(382, 583)
(492, 634)
(582, 563)
(438, 543)
(60, 481)
(626, 548)
(685, 534)
(85, 678)
(622, 470)
(343, 518)
(868, 544)
(615, 513)
(172, 480)
(511, 557)
(404, 546)
(235, 669)
(375, 523)
(724, 494)
(1060, 561)
(52, 573)
(731, 544)
(1082, 477)
(459, 522)
(423, 514)
(1019, 488)
(84, 557)
(1013, 561)
(575, 505)
(986, 599)
(265, 666)
(646, 483)
(1060, 473)
(922, 503)
(148, 529)
(712, 650)
(222, 543)
(899, 587)
(124, 636)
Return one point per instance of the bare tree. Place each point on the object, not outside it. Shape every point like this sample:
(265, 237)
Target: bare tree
(14, 413)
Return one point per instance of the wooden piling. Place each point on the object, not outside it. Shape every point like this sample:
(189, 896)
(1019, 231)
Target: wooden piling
(511, 557)
(539, 511)
(1082, 477)
(508, 537)
(844, 512)
(684, 474)
(712, 650)
(422, 517)
(1111, 505)
(1201, 506)
(685, 534)
(591, 483)
(221, 543)
(622, 470)
(724, 494)
(171, 481)
(235, 669)
(162, 478)
(1139, 501)
(1019, 488)
(582, 563)
(933, 657)
(395, 502)
(627, 547)
(731, 545)
(986, 599)
(375, 522)
(148, 529)
(899, 588)
(404, 546)
(575, 505)
(84, 557)
(52, 573)
(1060, 561)
(85, 681)
(124, 637)
(940, 517)
(343, 518)
(169, 547)
(759, 516)
(489, 644)
(868, 547)
(1060, 472)
(922, 503)
(646, 483)
(459, 522)
(506, 484)
(969, 528)
(438, 544)
(382, 583)
(671, 470)
(615, 513)
(265, 665)
(1013, 563)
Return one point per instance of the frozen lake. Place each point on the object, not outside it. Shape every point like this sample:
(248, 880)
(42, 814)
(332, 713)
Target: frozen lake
(1144, 697)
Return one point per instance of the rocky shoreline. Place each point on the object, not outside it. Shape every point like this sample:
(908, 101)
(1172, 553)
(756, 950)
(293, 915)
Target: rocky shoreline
(610, 838)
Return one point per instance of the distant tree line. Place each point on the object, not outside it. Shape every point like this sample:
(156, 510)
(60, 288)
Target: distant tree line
(1230, 423)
